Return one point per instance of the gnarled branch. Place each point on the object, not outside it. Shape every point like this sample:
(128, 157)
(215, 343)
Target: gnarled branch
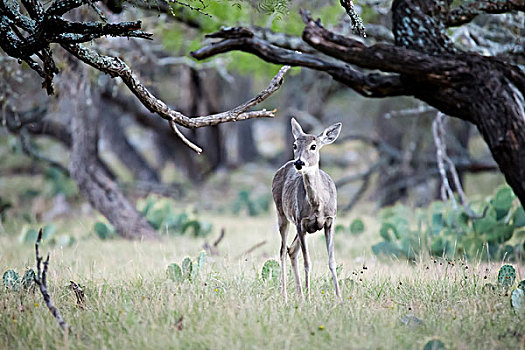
(114, 66)
(467, 12)
(367, 84)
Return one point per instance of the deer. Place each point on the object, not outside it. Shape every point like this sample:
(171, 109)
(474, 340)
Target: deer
(306, 196)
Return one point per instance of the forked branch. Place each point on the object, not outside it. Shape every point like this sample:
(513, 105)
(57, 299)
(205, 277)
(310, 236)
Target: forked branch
(116, 67)
(41, 281)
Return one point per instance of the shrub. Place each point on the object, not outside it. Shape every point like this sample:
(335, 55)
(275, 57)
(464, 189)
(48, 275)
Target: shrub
(441, 230)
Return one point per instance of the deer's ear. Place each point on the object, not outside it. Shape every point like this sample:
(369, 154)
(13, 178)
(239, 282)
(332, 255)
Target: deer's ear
(296, 129)
(330, 134)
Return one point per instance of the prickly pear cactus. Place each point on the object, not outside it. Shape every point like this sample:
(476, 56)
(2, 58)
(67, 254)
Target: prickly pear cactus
(28, 281)
(11, 279)
(202, 260)
(517, 300)
(434, 344)
(174, 272)
(270, 270)
(187, 268)
(506, 276)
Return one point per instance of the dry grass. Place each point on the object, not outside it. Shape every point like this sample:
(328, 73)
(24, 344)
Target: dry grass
(131, 304)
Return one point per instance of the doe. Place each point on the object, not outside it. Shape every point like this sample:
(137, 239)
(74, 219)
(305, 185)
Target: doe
(306, 196)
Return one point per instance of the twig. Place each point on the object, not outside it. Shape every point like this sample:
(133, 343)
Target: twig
(258, 245)
(213, 250)
(41, 281)
(79, 294)
(438, 131)
(357, 22)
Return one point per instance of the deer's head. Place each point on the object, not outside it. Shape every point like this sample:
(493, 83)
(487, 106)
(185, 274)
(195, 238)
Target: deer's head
(306, 146)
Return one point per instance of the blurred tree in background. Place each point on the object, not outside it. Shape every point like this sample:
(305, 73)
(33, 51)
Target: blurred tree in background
(422, 51)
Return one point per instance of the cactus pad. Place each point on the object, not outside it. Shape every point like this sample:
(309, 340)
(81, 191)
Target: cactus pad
(506, 276)
(11, 279)
(434, 344)
(201, 260)
(28, 281)
(174, 272)
(270, 270)
(187, 268)
(517, 300)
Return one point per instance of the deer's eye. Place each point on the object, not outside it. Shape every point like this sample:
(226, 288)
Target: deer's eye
(294, 146)
(313, 147)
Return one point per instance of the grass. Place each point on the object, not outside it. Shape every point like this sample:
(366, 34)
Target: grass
(131, 304)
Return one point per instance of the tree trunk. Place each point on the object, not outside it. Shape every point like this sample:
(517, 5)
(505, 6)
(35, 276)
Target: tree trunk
(103, 194)
(114, 133)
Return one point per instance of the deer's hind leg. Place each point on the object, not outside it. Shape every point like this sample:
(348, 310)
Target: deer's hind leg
(283, 230)
(293, 252)
(306, 258)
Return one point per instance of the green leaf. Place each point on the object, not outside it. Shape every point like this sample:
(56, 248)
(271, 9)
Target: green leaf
(174, 272)
(270, 270)
(11, 280)
(357, 226)
(506, 276)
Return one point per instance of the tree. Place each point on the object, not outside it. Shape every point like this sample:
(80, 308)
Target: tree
(27, 34)
(423, 62)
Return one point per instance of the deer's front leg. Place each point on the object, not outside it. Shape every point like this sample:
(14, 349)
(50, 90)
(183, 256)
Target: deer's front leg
(329, 235)
(283, 230)
(301, 232)
(293, 251)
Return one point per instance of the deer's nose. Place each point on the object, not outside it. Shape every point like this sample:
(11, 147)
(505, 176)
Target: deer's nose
(298, 164)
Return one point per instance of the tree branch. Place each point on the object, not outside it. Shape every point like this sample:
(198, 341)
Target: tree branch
(467, 12)
(357, 22)
(114, 66)
(367, 84)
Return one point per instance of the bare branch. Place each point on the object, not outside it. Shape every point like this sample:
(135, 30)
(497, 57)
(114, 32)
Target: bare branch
(367, 84)
(438, 132)
(41, 281)
(114, 66)
(467, 12)
(357, 22)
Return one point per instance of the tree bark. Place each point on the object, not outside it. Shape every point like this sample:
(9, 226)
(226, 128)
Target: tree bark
(103, 194)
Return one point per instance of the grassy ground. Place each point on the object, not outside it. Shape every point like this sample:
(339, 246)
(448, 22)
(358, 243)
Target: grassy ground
(131, 304)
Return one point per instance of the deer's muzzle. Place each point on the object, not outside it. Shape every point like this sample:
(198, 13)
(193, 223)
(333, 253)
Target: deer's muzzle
(298, 164)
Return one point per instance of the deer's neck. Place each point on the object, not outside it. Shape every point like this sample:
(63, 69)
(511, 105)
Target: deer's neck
(312, 185)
